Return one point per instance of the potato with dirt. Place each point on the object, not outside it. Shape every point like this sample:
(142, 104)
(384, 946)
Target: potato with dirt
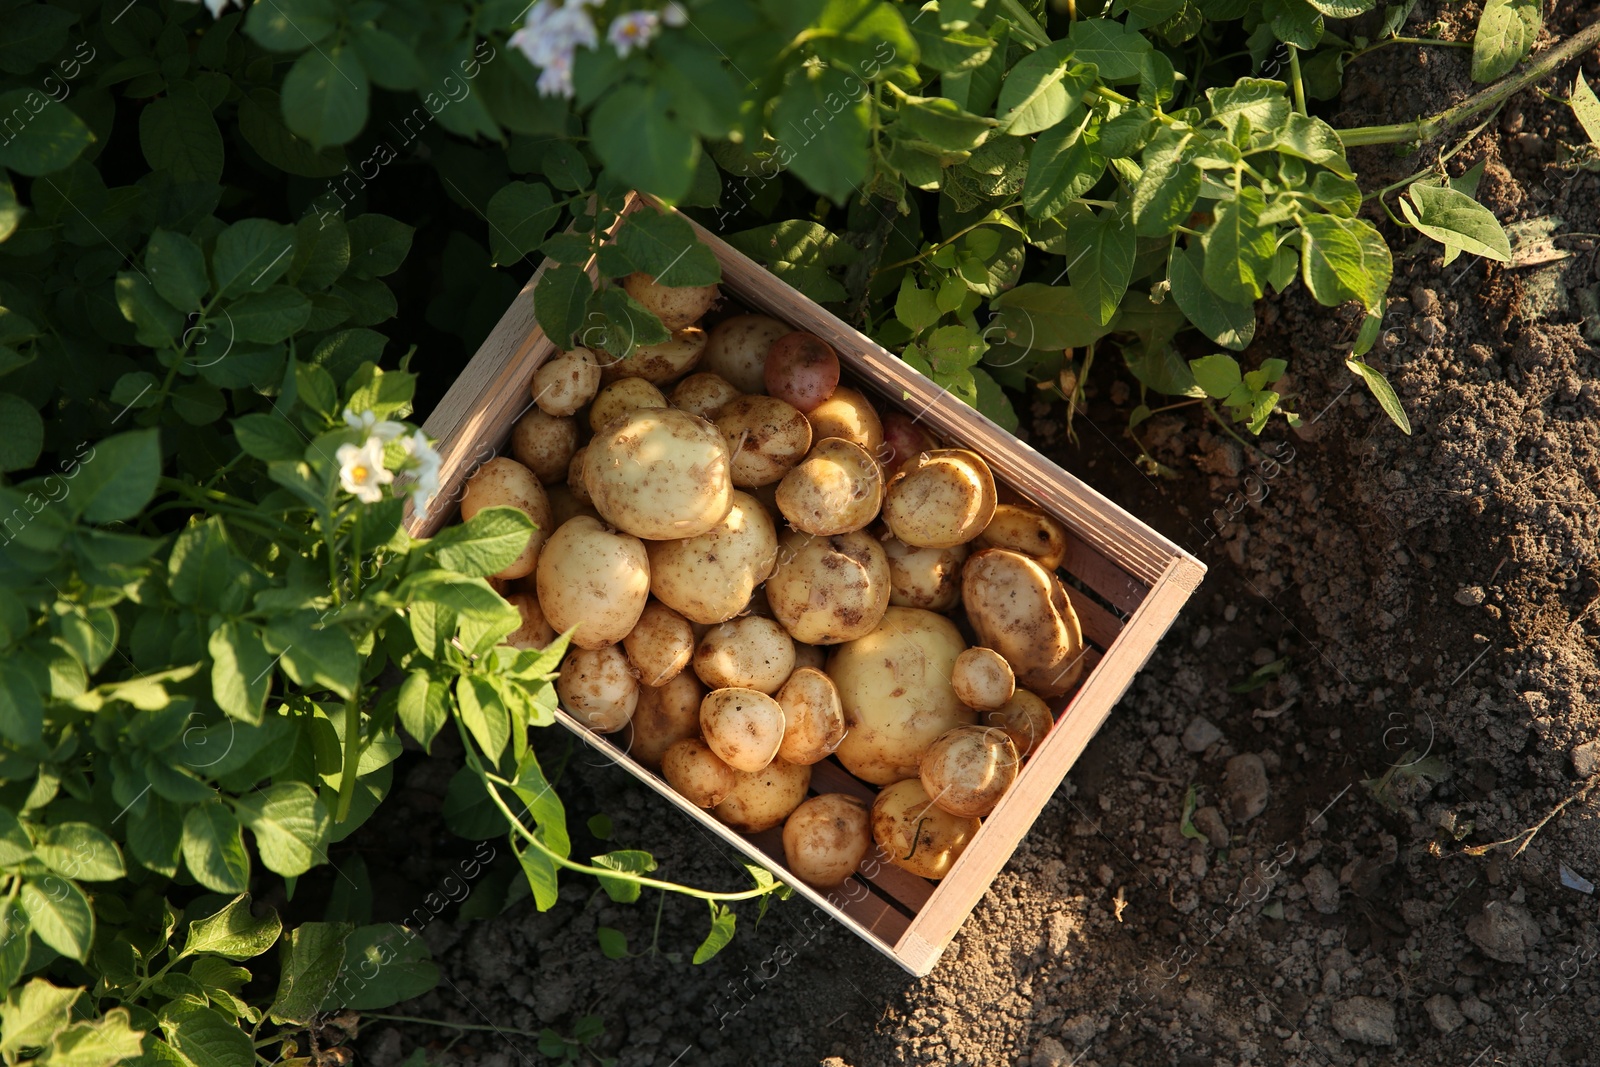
(837, 488)
(903, 440)
(710, 578)
(1028, 531)
(598, 688)
(659, 473)
(967, 770)
(660, 644)
(1025, 718)
(826, 838)
(813, 717)
(535, 631)
(703, 394)
(595, 578)
(621, 397)
(1021, 610)
(827, 590)
(690, 767)
(743, 727)
(566, 381)
(736, 350)
(924, 577)
(915, 833)
(801, 369)
(763, 799)
(940, 498)
(503, 481)
(750, 652)
(545, 444)
(766, 438)
(676, 306)
(660, 363)
(665, 715)
(850, 415)
(983, 679)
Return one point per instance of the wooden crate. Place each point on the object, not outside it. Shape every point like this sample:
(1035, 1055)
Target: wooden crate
(1126, 582)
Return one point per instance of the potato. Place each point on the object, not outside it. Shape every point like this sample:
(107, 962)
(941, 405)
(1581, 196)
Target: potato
(1028, 531)
(894, 686)
(765, 436)
(829, 589)
(598, 688)
(748, 653)
(710, 578)
(916, 834)
(595, 578)
(737, 350)
(940, 498)
(903, 438)
(534, 632)
(742, 726)
(575, 486)
(675, 305)
(703, 394)
(504, 481)
(1025, 719)
(619, 398)
(983, 679)
(837, 488)
(849, 415)
(660, 363)
(566, 381)
(763, 799)
(924, 577)
(545, 444)
(659, 473)
(564, 502)
(690, 767)
(968, 769)
(665, 715)
(813, 718)
(660, 644)
(826, 838)
(1021, 610)
(809, 656)
(801, 370)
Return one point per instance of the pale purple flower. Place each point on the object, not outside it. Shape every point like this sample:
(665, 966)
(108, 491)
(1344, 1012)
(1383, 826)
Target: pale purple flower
(634, 29)
(551, 37)
(675, 14)
(556, 77)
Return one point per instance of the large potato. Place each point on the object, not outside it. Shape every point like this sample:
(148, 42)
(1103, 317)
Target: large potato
(802, 369)
(850, 415)
(1021, 610)
(813, 718)
(983, 679)
(690, 767)
(665, 715)
(535, 631)
(829, 589)
(967, 770)
(545, 444)
(703, 394)
(924, 577)
(764, 798)
(765, 436)
(915, 833)
(826, 838)
(566, 381)
(621, 397)
(837, 488)
(504, 482)
(737, 350)
(660, 644)
(940, 498)
(659, 473)
(672, 358)
(598, 687)
(595, 578)
(748, 653)
(675, 305)
(894, 685)
(743, 727)
(1026, 530)
(1025, 719)
(710, 578)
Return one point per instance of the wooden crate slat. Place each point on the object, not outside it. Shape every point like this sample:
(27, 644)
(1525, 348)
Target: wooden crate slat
(1094, 570)
(1099, 626)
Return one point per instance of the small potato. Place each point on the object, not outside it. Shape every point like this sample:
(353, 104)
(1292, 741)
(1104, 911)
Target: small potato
(743, 727)
(566, 381)
(940, 499)
(983, 679)
(903, 438)
(598, 687)
(564, 502)
(660, 644)
(504, 481)
(916, 834)
(737, 350)
(619, 398)
(764, 798)
(575, 486)
(710, 578)
(826, 838)
(1021, 610)
(1028, 531)
(801, 369)
(545, 444)
(534, 632)
(703, 394)
(967, 770)
(849, 415)
(809, 656)
(659, 473)
(660, 363)
(748, 653)
(595, 578)
(666, 714)
(690, 767)
(675, 305)
(827, 590)
(924, 577)
(837, 488)
(765, 436)
(813, 718)
(1025, 719)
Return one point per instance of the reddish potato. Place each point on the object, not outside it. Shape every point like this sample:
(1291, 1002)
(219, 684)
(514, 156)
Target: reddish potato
(903, 438)
(801, 370)
(737, 350)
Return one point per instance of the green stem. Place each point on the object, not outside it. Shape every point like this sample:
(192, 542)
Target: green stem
(352, 758)
(485, 1027)
(1299, 84)
(1387, 41)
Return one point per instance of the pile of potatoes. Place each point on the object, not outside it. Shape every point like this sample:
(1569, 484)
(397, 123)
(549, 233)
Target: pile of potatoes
(761, 570)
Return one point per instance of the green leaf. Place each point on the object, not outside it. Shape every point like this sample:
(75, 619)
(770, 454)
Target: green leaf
(1099, 254)
(952, 50)
(1055, 317)
(1507, 30)
(378, 245)
(613, 942)
(1456, 220)
(15, 845)
(177, 269)
(251, 255)
(424, 707)
(484, 715)
(1167, 187)
(213, 847)
(105, 1042)
(1032, 97)
(1295, 22)
(485, 544)
(1585, 106)
(33, 1015)
(520, 216)
(1218, 375)
(24, 437)
(289, 25)
(178, 134)
(1228, 323)
(1239, 249)
(1344, 259)
(270, 316)
(268, 437)
(13, 942)
(642, 142)
(1384, 392)
(561, 301)
(632, 861)
(48, 138)
(310, 656)
(1063, 164)
(540, 871)
(542, 802)
(384, 964)
(233, 932)
(1314, 141)
(80, 851)
(205, 1036)
(722, 924)
(118, 478)
(290, 826)
(993, 401)
(59, 914)
(157, 324)
(664, 245)
(822, 121)
(314, 954)
(155, 834)
(1116, 51)
(915, 307)
(1261, 102)
(325, 96)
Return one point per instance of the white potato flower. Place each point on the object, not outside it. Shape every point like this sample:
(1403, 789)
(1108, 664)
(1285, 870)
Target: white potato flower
(361, 470)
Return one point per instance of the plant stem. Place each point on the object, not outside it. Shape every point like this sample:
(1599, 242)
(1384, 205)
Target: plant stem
(1407, 40)
(1472, 106)
(1299, 84)
(486, 1027)
(352, 758)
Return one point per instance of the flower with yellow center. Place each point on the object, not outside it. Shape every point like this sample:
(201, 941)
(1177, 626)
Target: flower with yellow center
(361, 470)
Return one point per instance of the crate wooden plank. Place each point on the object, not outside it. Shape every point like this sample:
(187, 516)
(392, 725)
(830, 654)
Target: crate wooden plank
(1099, 626)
